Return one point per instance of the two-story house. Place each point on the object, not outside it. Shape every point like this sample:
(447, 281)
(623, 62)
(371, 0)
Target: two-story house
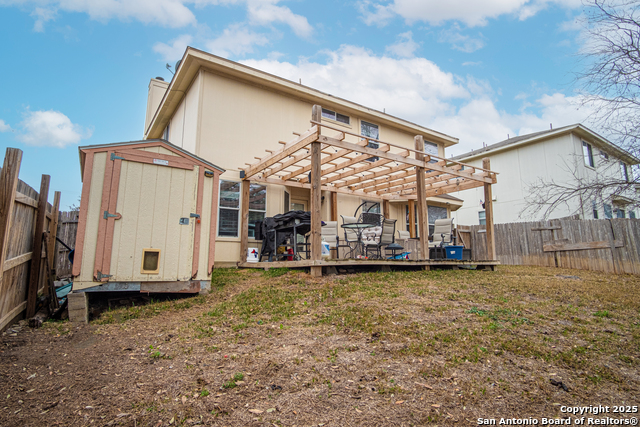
(560, 155)
(230, 114)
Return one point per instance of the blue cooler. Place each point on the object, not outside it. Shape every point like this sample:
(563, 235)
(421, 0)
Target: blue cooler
(454, 252)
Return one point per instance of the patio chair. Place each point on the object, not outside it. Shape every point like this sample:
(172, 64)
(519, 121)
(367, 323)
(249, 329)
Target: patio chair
(371, 218)
(387, 237)
(403, 235)
(442, 233)
(329, 233)
(350, 236)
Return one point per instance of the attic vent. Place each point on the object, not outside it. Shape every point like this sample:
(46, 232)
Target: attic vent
(150, 261)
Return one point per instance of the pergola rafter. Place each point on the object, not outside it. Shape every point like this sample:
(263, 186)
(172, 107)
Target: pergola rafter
(346, 163)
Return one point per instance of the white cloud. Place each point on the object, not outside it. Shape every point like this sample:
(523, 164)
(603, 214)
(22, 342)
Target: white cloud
(405, 47)
(237, 40)
(265, 12)
(460, 41)
(51, 128)
(174, 51)
(471, 63)
(471, 13)
(4, 127)
(419, 91)
(168, 13)
(414, 89)
(42, 16)
(480, 121)
(380, 16)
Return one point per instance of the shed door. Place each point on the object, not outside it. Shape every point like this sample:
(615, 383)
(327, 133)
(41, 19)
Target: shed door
(153, 231)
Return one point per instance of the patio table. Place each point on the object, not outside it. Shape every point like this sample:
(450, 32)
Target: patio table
(358, 227)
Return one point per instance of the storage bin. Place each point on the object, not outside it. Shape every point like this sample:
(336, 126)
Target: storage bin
(454, 252)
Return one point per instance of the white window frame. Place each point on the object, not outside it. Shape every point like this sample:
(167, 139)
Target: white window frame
(624, 171)
(482, 217)
(370, 144)
(264, 212)
(588, 154)
(220, 207)
(336, 117)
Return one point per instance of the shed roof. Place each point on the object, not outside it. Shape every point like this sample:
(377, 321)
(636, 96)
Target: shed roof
(141, 144)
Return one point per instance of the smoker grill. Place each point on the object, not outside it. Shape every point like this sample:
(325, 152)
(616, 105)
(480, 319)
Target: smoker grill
(282, 230)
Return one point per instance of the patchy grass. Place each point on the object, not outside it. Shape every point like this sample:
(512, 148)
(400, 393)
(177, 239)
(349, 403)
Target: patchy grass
(398, 348)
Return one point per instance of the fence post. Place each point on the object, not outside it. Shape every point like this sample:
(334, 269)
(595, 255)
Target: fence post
(53, 231)
(36, 258)
(8, 186)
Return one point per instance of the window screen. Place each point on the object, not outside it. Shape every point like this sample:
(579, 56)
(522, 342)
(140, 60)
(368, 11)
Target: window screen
(370, 130)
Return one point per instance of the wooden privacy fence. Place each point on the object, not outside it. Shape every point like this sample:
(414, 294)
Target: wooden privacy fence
(611, 245)
(67, 230)
(24, 217)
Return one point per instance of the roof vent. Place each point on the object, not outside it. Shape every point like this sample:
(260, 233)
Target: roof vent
(160, 78)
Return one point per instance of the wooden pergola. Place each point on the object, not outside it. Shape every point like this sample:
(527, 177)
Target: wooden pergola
(346, 162)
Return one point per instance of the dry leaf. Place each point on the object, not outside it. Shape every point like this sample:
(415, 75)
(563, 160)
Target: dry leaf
(271, 410)
(399, 402)
(425, 386)
(184, 399)
(435, 405)
(255, 411)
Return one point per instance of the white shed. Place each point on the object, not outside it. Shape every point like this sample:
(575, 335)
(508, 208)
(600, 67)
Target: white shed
(148, 217)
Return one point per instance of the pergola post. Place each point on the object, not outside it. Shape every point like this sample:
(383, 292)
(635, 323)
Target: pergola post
(488, 210)
(244, 219)
(423, 220)
(386, 208)
(334, 206)
(316, 197)
(412, 218)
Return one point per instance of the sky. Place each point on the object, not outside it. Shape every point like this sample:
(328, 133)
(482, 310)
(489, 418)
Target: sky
(76, 72)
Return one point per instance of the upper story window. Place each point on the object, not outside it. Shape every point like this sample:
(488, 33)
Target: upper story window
(332, 115)
(604, 155)
(587, 152)
(430, 148)
(165, 134)
(371, 131)
(624, 171)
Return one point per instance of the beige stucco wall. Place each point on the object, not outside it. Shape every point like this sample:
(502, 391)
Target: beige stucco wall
(234, 122)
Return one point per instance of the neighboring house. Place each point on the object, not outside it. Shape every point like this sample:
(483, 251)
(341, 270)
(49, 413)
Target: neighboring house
(230, 114)
(556, 155)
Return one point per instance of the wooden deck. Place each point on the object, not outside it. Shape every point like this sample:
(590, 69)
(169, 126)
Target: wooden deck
(383, 264)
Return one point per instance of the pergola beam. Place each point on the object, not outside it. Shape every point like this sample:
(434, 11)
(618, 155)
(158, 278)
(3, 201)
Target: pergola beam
(372, 152)
(354, 182)
(301, 141)
(328, 159)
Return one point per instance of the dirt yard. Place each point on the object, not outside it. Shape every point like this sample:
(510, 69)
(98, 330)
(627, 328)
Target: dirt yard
(281, 348)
